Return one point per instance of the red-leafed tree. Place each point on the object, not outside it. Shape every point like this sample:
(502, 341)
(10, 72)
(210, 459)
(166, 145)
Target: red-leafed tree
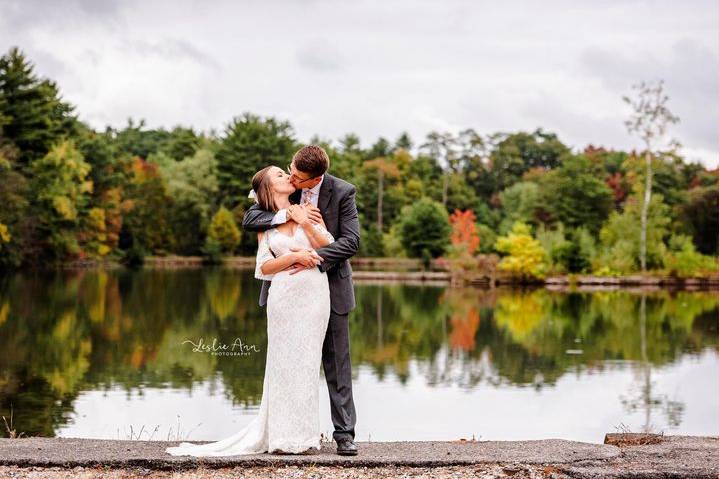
(617, 184)
(464, 231)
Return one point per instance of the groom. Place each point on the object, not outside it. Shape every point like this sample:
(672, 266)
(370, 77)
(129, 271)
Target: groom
(333, 201)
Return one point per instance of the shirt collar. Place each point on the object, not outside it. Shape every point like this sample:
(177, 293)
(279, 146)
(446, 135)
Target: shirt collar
(316, 189)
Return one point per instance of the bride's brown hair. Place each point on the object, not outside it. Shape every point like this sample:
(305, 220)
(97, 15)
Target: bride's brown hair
(263, 189)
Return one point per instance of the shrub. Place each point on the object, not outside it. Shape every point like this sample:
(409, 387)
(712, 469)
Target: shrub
(620, 236)
(224, 231)
(372, 242)
(212, 251)
(393, 243)
(425, 229)
(526, 259)
(684, 260)
(135, 256)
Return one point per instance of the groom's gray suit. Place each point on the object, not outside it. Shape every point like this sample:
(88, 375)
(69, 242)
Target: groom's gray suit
(336, 202)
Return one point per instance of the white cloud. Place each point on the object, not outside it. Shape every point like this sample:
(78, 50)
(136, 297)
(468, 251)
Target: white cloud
(378, 68)
(320, 55)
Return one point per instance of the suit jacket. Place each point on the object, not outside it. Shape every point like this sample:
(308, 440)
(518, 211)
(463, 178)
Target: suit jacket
(336, 202)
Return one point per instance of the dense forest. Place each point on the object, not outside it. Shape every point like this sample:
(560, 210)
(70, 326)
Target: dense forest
(68, 191)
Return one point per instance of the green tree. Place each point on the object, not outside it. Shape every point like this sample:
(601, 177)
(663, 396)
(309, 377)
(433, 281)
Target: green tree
(572, 252)
(372, 244)
(425, 229)
(99, 150)
(429, 173)
(182, 143)
(460, 194)
(103, 225)
(192, 183)
(381, 195)
(701, 213)
(135, 140)
(224, 231)
(93, 235)
(381, 167)
(684, 260)
(61, 192)
(519, 203)
(346, 160)
(576, 195)
(146, 207)
(34, 117)
(14, 212)
(519, 152)
(620, 237)
(558, 248)
(403, 142)
(249, 144)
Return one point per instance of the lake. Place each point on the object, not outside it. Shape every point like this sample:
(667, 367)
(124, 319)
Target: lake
(113, 354)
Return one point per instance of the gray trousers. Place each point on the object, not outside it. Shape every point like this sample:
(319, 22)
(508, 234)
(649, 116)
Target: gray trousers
(338, 373)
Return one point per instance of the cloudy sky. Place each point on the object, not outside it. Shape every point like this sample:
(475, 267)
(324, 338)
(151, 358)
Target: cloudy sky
(377, 68)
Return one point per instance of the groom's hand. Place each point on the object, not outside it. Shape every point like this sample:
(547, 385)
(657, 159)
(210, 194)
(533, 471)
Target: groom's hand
(306, 260)
(313, 213)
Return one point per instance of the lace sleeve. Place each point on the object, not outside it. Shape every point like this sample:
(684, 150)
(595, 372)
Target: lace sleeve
(263, 255)
(324, 231)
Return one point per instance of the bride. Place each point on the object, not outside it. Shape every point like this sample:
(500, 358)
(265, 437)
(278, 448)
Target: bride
(298, 311)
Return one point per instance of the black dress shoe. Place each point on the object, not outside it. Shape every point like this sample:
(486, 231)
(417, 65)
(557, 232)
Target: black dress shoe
(346, 447)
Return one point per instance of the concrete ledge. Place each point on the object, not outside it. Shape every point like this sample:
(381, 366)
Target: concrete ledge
(402, 275)
(672, 456)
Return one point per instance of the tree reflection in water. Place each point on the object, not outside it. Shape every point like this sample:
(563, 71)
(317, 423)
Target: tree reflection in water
(70, 332)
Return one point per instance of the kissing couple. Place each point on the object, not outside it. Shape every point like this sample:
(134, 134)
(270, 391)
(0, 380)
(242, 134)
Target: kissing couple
(307, 229)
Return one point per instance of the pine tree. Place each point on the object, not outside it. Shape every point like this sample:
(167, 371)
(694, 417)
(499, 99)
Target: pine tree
(32, 114)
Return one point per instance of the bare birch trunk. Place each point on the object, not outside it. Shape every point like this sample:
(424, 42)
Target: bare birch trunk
(445, 186)
(380, 193)
(645, 211)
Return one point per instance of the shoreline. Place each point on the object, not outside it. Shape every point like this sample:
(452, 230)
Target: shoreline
(408, 271)
(621, 455)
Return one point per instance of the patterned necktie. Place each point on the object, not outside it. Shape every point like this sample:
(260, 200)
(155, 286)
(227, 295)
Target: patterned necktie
(308, 196)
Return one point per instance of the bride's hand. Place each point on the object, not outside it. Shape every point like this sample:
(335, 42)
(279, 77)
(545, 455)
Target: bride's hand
(307, 257)
(298, 213)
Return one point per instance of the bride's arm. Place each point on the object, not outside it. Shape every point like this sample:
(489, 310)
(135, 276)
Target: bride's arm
(317, 234)
(264, 255)
(267, 265)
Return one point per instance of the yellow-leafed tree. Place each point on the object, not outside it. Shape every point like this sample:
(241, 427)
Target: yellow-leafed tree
(526, 259)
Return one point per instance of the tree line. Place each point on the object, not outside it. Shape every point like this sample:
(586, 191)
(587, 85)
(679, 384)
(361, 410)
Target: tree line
(69, 191)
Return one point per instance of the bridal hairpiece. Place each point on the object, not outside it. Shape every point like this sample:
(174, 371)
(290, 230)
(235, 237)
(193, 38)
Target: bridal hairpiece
(253, 195)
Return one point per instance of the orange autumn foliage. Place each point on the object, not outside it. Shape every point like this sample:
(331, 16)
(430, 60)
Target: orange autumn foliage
(464, 330)
(464, 231)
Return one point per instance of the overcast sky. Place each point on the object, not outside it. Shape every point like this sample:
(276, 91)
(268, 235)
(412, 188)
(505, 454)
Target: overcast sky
(377, 68)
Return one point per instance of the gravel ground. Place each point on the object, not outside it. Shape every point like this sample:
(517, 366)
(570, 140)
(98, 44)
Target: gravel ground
(635, 456)
(288, 472)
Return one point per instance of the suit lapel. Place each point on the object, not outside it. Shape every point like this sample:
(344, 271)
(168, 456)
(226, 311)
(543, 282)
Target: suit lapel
(325, 193)
(296, 197)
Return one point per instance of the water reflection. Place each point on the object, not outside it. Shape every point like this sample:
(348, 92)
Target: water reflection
(75, 342)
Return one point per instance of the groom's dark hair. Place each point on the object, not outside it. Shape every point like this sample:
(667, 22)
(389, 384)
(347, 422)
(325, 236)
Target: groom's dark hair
(312, 159)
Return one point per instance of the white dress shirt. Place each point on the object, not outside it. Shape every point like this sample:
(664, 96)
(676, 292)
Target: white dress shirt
(308, 194)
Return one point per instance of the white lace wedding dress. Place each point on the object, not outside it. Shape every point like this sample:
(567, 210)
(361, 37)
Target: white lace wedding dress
(298, 311)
